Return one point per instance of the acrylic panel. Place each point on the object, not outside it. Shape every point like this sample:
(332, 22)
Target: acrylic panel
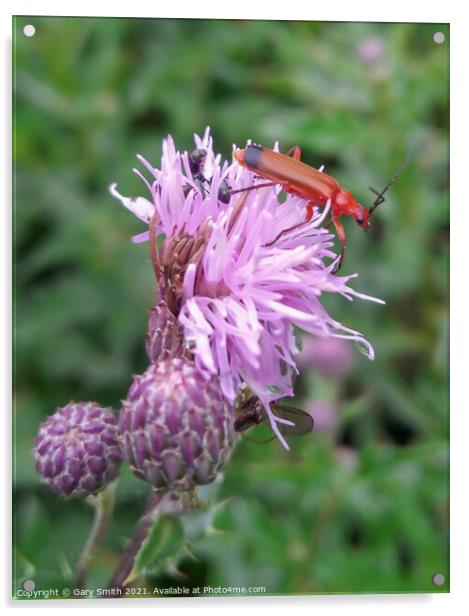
(199, 410)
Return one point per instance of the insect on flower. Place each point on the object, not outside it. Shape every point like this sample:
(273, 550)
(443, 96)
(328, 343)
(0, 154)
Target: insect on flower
(305, 182)
(252, 412)
(235, 281)
(196, 163)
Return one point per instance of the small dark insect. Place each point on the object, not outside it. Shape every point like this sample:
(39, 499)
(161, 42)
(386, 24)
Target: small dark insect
(196, 160)
(252, 412)
(196, 163)
(224, 192)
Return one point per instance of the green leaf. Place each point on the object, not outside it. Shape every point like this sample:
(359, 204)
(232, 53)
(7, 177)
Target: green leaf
(162, 546)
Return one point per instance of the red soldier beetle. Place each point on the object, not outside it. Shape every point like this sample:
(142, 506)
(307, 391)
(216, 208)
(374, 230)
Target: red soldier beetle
(298, 178)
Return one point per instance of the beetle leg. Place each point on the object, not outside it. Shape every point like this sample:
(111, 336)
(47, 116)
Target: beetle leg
(282, 233)
(309, 211)
(341, 235)
(295, 152)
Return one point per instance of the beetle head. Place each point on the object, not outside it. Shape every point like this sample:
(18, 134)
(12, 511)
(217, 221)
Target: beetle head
(362, 217)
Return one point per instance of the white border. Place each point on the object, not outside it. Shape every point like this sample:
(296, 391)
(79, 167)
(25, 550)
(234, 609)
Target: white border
(359, 10)
(396, 11)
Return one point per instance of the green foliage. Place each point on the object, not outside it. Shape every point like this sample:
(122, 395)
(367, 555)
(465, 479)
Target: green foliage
(160, 548)
(362, 507)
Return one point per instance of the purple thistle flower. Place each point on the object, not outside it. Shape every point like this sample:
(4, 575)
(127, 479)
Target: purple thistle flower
(77, 449)
(238, 276)
(371, 50)
(330, 357)
(324, 414)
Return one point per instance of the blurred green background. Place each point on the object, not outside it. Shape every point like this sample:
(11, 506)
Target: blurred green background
(361, 505)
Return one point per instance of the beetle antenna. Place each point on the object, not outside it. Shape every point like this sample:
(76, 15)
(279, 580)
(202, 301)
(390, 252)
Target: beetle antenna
(253, 187)
(380, 195)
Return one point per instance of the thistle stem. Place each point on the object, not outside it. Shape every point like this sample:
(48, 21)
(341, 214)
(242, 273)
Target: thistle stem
(155, 258)
(103, 505)
(141, 531)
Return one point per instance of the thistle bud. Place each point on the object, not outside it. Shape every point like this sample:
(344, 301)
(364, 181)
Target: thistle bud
(77, 449)
(165, 336)
(176, 426)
